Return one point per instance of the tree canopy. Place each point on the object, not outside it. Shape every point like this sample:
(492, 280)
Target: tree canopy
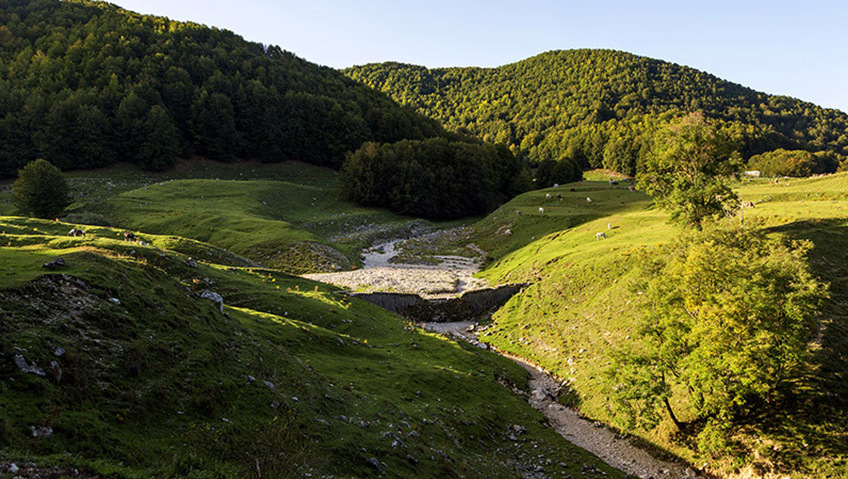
(85, 84)
(727, 316)
(40, 190)
(686, 169)
(601, 107)
(434, 178)
(782, 162)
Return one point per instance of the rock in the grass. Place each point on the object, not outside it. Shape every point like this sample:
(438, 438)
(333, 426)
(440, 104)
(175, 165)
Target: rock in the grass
(215, 298)
(191, 263)
(518, 429)
(115, 301)
(59, 351)
(41, 431)
(57, 370)
(270, 385)
(55, 264)
(25, 367)
(13, 468)
(322, 421)
(373, 462)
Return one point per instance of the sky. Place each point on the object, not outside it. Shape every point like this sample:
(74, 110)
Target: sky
(796, 48)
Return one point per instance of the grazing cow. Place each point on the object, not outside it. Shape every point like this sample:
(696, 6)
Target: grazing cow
(541, 210)
(559, 196)
(128, 236)
(76, 232)
(518, 212)
(547, 196)
(747, 204)
(600, 235)
(588, 200)
(631, 188)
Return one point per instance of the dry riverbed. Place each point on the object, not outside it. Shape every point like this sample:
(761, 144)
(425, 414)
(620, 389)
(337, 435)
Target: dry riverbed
(408, 266)
(615, 450)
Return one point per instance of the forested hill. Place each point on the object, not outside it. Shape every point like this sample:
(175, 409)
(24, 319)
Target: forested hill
(85, 84)
(601, 106)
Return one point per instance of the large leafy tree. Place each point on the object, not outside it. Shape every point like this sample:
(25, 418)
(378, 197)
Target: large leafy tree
(40, 190)
(727, 316)
(686, 170)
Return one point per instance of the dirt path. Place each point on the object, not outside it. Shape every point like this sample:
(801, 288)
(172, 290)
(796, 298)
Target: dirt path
(613, 449)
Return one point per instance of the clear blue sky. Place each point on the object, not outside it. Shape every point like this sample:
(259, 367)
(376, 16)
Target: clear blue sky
(796, 48)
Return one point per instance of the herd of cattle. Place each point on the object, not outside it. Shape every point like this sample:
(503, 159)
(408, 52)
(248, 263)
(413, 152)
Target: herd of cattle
(128, 236)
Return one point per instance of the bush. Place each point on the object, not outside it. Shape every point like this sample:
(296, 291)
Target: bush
(41, 190)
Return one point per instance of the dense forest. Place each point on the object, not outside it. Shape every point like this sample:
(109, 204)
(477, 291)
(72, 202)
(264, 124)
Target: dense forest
(601, 107)
(434, 178)
(85, 84)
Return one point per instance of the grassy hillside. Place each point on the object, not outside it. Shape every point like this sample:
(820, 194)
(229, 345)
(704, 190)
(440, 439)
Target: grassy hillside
(132, 374)
(582, 304)
(284, 215)
(600, 107)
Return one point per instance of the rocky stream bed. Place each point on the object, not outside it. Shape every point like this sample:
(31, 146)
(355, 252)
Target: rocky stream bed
(447, 276)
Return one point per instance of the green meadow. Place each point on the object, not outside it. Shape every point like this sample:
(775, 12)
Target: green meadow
(582, 304)
(142, 377)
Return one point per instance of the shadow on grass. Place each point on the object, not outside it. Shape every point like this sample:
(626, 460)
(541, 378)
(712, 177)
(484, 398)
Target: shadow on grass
(811, 415)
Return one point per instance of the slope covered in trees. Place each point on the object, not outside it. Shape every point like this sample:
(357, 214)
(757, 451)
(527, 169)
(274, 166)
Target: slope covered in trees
(85, 84)
(601, 107)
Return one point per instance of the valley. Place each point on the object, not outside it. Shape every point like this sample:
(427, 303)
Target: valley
(221, 260)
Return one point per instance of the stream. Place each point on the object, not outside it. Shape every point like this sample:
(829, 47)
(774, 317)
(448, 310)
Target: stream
(451, 276)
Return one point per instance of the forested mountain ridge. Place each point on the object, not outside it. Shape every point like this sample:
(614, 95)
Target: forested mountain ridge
(600, 107)
(85, 84)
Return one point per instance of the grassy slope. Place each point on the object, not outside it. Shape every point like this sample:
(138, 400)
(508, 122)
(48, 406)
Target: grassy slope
(163, 384)
(276, 214)
(581, 303)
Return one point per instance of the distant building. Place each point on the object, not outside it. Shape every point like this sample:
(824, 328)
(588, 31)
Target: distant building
(754, 173)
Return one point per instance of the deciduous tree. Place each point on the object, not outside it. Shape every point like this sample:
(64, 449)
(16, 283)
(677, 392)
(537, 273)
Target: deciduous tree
(40, 190)
(686, 170)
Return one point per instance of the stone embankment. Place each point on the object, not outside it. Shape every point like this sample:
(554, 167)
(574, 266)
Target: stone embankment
(465, 307)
